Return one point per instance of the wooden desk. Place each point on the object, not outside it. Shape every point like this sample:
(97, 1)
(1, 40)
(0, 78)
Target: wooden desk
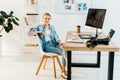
(69, 47)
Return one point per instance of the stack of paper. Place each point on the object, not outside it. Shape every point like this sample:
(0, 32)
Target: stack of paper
(75, 40)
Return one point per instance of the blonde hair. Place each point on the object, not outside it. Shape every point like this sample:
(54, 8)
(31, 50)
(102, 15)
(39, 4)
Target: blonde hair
(46, 14)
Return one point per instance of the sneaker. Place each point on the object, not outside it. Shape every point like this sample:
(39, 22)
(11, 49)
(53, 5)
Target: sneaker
(64, 75)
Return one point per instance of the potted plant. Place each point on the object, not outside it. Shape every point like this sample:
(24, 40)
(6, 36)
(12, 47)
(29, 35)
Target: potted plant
(6, 23)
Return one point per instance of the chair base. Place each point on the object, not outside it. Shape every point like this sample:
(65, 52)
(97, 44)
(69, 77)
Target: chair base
(45, 57)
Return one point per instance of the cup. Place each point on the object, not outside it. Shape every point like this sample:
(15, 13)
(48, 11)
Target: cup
(78, 29)
(32, 1)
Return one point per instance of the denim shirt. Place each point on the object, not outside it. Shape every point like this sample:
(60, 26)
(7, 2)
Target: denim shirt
(53, 35)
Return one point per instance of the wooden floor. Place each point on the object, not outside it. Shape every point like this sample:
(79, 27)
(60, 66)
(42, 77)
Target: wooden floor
(23, 67)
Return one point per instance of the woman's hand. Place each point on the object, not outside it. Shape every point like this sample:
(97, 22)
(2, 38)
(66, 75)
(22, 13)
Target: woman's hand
(32, 33)
(41, 33)
(60, 43)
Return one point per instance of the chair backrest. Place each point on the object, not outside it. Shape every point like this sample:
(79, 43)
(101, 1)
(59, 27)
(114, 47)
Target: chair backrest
(46, 53)
(41, 51)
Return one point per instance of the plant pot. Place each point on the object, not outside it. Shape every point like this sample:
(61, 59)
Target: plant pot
(0, 45)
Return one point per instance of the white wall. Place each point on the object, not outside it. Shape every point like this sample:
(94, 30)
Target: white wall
(14, 41)
(113, 20)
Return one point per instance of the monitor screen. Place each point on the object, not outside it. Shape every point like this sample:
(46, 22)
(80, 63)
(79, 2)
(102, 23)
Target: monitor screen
(95, 18)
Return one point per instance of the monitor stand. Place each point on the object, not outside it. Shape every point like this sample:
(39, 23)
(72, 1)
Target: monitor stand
(96, 35)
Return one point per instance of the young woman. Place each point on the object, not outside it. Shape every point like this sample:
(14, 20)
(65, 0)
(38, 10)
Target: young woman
(49, 39)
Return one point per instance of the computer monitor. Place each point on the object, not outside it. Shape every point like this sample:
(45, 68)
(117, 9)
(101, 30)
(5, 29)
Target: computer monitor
(95, 18)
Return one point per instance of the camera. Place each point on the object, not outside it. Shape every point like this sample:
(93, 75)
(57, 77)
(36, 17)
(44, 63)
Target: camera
(94, 42)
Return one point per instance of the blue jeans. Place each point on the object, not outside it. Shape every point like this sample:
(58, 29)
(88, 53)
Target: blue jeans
(51, 47)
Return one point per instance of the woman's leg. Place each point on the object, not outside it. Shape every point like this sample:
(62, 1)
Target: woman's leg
(49, 47)
(64, 53)
(56, 49)
(64, 59)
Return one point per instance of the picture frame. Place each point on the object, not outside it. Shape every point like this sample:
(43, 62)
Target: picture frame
(72, 6)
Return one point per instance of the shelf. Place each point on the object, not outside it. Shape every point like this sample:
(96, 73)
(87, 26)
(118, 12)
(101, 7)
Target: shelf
(31, 45)
(32, 14)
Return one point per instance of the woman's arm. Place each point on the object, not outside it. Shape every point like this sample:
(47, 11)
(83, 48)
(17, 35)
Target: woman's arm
(57, 37)
(35, 31)
(54, 34)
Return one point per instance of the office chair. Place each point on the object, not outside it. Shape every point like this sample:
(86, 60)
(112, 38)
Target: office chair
(51, 56)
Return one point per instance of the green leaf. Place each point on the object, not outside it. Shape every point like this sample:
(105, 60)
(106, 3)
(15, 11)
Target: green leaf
(2, 20)
(15, 22)
(9, 20)
(16, 18)
(4, 14)
(10, 26)
(7, 29)
(10, 14)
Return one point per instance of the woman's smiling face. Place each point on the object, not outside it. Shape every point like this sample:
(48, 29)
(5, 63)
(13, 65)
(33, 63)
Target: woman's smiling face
(46, 19)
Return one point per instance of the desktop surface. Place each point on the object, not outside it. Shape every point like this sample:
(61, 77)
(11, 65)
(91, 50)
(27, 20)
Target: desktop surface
(82, 46)
(69, 47)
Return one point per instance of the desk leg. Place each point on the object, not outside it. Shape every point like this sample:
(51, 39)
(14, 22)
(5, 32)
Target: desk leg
(110, 65)
(69, 58)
